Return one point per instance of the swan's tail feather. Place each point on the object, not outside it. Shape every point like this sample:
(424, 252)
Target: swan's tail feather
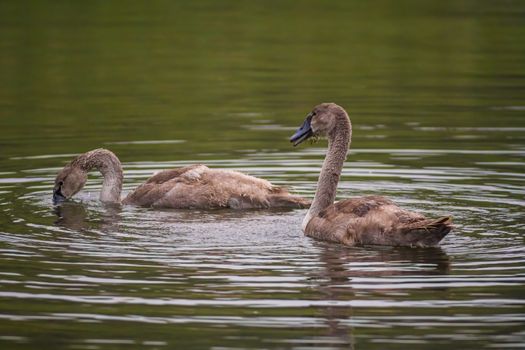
(428, 233)
(288, 201)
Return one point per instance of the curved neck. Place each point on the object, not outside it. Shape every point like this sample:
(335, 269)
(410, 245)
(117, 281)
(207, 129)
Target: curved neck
(338, 143)
(109, 166)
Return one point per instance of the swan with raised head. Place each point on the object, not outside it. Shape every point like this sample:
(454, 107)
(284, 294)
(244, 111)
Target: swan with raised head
(195, 186)
(362, 220)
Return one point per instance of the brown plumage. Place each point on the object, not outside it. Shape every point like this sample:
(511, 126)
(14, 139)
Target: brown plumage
(194, 186)
(363, 220)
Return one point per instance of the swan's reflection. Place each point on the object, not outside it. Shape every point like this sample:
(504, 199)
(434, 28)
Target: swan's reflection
(71, 215)
(334, 281)
(75, 216)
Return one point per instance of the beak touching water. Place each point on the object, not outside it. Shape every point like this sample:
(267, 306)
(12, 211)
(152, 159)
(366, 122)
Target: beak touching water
(58, 197)
(304, 132)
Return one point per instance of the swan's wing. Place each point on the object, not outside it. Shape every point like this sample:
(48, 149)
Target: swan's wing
(368, 213)
(197, 186)
(361, 206)
(190, 173)
(162, 182)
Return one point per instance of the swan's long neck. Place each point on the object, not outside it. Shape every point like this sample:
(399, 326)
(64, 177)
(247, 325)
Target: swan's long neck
(109, 166)
(338, 143)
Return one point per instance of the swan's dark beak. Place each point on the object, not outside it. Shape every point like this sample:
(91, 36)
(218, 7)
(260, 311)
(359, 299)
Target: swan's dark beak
(304, 132)
(58, 197)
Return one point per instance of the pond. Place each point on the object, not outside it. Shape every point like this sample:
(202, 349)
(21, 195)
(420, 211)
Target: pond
(436, 94)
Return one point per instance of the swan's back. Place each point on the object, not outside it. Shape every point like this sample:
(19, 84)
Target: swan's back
(376, 220)
(197, 186)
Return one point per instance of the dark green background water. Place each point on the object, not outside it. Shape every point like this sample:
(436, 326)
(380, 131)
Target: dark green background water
(436, 93)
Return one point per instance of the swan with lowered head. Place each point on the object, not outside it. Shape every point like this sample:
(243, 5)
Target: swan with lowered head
(195, 186)
(362, 220)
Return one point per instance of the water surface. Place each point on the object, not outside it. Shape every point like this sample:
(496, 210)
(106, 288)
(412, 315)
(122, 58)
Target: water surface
(436, 93)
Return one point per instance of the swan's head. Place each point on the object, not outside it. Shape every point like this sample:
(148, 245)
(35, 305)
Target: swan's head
(68, 182)
(321, 121)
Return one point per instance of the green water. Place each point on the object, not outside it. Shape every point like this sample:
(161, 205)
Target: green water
(436, 94)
